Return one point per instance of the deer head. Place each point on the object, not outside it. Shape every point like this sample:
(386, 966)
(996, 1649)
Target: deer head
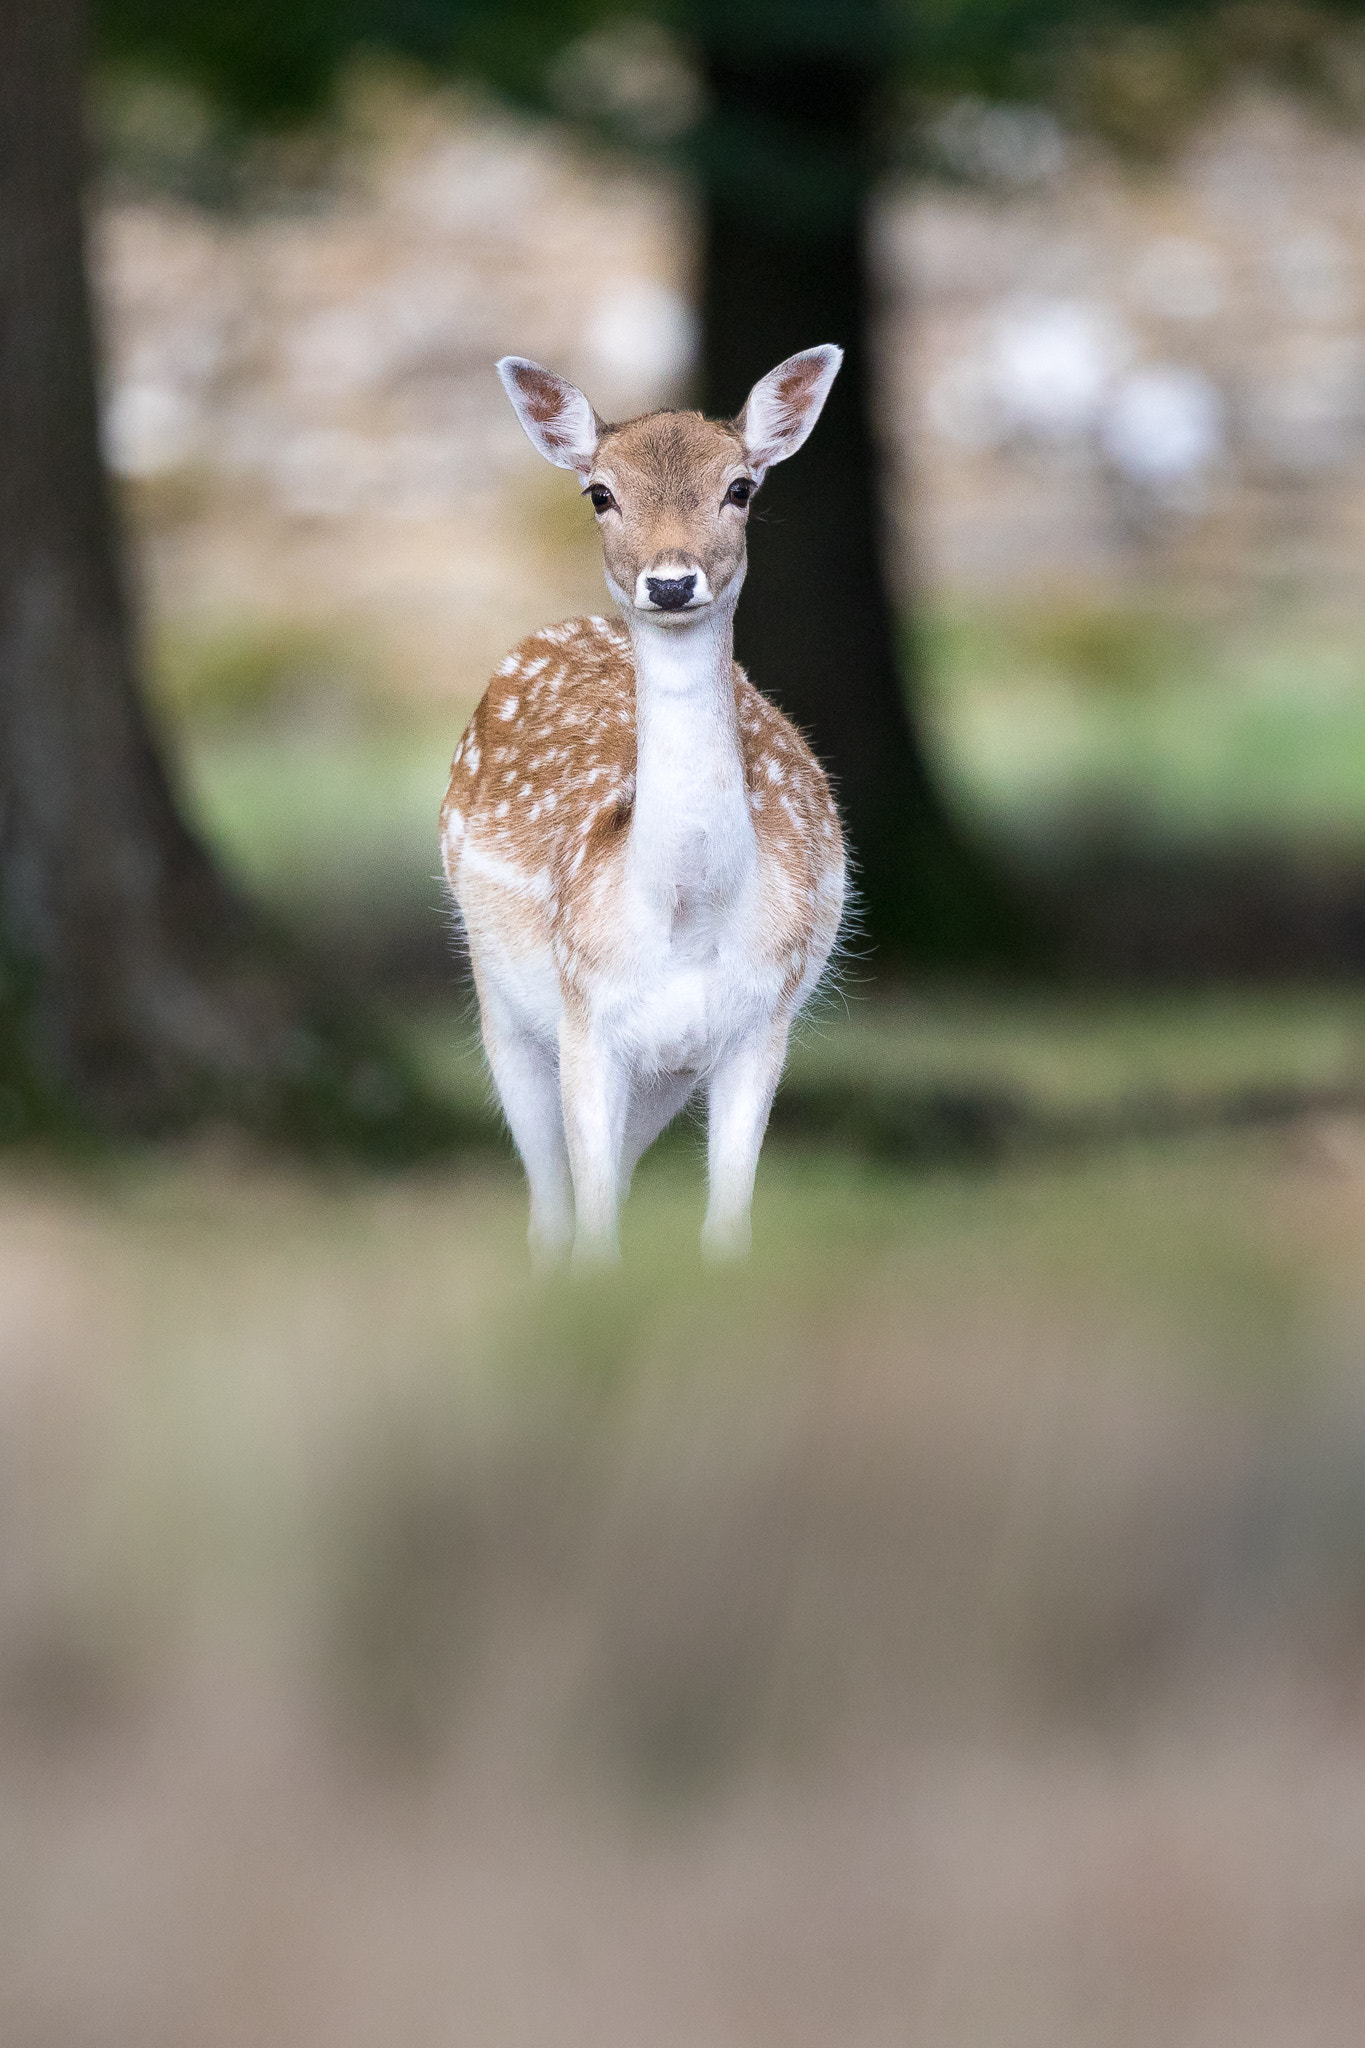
(672, 490)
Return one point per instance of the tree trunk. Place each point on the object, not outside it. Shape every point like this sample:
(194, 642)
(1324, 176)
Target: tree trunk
(135, 989)
(787, 177)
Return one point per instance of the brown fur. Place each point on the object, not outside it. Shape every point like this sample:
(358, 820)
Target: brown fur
(669, 473)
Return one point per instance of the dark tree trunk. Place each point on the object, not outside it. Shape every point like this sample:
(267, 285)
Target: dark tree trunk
(134, 987)
(787, 177)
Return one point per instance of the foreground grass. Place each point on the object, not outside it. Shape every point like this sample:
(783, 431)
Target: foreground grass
(671, 1654)
(260, 1339)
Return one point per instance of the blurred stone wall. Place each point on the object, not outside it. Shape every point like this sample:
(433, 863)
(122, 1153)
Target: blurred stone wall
(301, 399)
(1102, 376)
(1096, 379)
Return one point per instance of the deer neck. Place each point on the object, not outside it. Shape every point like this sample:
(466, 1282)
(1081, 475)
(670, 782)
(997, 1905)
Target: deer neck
(692, 842)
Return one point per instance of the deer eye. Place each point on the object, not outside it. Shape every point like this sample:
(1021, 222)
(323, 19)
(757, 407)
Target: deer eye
(740, 491)
(602, 499)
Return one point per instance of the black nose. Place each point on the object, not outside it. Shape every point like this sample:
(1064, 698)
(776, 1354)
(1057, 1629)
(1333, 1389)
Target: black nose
(670, 593)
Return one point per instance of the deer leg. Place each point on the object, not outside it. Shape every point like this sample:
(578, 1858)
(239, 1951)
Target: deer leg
(595, 1091)
(739, 1097)
(527, 1078)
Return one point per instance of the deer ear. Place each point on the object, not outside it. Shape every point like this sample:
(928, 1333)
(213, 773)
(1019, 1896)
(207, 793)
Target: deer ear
(556, 415)
(783, 406)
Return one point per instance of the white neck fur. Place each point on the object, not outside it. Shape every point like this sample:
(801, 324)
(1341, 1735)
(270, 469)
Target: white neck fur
(692, 842)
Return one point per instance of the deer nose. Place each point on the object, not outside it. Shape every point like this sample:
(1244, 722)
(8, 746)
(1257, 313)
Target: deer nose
(670, 593)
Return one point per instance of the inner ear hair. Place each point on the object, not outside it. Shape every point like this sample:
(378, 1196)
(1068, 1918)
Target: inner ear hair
(557, 418)
(783, 407)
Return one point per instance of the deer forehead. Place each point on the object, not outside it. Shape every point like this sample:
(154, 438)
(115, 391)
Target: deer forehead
(671, 461)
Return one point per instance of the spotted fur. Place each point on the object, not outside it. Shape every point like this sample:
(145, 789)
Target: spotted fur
(543, 782)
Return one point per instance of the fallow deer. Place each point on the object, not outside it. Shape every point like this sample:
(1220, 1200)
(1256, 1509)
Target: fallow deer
(644, 852)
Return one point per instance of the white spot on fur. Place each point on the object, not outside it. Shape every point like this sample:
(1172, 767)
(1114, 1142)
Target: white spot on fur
(509, 709)
(503, 808)
(506, 873)
(471, 759)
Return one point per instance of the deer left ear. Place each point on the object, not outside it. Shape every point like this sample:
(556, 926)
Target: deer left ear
(783, 407)
(557, 417)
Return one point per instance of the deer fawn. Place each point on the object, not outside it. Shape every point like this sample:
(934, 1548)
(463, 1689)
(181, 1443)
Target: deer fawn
(644, 852)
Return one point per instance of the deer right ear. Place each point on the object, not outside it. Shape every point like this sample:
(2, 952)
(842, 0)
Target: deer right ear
(783, 406)
(557, 417)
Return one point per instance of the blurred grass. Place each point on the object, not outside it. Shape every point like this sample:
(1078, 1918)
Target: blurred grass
(749, 1506)
(374, 1608)
(987, 1547)
(1152, 725)
(331, 820)
(269, 672)
(1083, 1052)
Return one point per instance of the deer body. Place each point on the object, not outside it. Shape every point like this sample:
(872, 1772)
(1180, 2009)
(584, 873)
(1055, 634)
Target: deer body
(644, 852)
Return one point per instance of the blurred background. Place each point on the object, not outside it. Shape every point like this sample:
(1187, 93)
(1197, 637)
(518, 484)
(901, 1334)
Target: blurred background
(950, 1628)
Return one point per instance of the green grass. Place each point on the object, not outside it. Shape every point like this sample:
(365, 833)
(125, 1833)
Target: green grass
(1083, 1053)
(1149, 726)
(332, 821)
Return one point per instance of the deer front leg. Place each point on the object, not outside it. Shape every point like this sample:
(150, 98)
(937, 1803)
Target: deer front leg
(739, 1098)
(528, 1088)
(595, 1090)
